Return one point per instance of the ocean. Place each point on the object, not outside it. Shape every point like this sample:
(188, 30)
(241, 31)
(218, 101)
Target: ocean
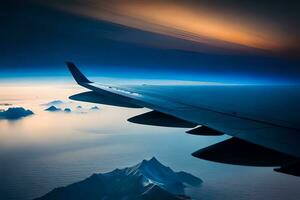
(51, 149)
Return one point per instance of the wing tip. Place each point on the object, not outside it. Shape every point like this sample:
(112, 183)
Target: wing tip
(76, 73)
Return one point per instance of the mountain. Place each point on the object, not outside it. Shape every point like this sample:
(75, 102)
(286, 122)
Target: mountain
(148, 180)
(53, 109)
(15, 113)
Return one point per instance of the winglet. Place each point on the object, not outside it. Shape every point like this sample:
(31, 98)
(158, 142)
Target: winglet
(77, 75)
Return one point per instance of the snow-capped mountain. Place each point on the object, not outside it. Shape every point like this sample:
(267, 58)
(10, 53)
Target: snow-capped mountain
(144, 181)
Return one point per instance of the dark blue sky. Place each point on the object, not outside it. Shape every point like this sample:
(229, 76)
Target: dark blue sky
(37, 40)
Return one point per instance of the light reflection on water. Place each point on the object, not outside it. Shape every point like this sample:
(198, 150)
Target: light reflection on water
(48, 150)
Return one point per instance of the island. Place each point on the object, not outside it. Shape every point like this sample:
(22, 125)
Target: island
(15, 113)
(53, 109)
(67, 110)
(94, 108)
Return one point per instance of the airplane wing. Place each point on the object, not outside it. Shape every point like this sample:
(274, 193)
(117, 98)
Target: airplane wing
(262, 120)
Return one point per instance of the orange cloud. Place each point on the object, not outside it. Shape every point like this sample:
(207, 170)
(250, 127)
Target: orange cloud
(183, 21)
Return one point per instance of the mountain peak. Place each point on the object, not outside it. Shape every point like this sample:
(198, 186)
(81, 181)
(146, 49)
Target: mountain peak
(153, 172)
(152, 161)
(152, 165)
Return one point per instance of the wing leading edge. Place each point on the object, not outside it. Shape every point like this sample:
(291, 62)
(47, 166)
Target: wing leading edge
(267, 138)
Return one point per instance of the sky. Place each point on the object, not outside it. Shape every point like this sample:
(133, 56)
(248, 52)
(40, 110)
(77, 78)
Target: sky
(199, 40)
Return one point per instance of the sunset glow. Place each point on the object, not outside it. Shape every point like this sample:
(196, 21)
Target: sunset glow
(183, 21)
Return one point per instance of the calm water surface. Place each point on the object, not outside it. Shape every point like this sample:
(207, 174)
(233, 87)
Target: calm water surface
(48, 150)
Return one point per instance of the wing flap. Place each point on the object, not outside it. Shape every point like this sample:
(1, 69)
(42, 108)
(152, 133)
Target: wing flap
(238, 152)
(292, 168)
(155, 118)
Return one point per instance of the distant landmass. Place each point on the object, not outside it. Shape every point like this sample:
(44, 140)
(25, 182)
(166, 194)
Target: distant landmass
(15, 113)
(5, 104)
(68, 110)
(53, 103)
(148, 180)
(94, 108)
(53, 109)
